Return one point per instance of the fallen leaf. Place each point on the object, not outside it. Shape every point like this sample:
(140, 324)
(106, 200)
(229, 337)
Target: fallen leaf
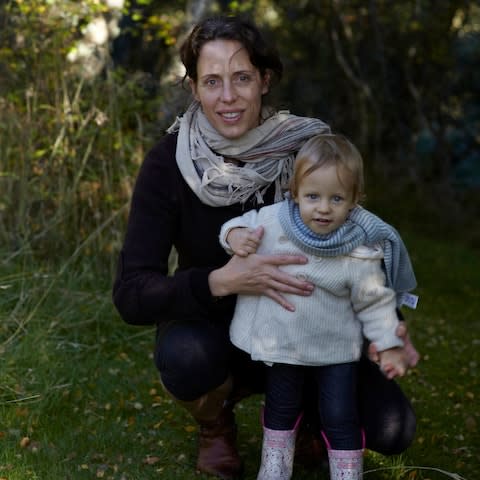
(24, 442)
(471, 424)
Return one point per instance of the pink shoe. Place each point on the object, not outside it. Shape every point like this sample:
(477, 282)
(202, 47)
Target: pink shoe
(346, 464)
(278, 449)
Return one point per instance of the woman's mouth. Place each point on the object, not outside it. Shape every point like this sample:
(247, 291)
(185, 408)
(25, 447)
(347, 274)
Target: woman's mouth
(230, 116)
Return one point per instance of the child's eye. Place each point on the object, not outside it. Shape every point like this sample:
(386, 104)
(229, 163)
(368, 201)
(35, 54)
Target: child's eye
(312, 196)
(337, 199)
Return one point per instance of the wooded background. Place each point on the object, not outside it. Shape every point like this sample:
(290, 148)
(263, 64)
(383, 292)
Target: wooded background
(87, 87)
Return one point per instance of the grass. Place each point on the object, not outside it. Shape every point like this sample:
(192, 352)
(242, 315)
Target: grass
(79, 395)
(80, 398)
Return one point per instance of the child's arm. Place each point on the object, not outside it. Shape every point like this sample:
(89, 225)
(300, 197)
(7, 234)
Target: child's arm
(232, 242)
(375, 307)
(244, 241)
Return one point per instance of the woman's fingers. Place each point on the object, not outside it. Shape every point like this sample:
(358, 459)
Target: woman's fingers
(279, 280)
(284, 259)
(258, 274)
(280, 299)
(291, 285)
(373, 353)
(413, 356)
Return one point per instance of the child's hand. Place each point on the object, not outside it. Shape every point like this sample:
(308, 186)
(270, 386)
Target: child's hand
(394, 362)
(244, 241)
(411, 353)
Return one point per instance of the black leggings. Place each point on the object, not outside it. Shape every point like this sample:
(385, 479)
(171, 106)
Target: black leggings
(336, 393)
(196, 357)
(193, 358)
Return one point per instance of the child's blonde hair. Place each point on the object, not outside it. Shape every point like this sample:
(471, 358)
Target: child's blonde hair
(325, 150)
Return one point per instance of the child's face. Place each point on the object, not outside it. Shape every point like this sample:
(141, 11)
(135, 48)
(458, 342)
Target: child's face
(323, 200)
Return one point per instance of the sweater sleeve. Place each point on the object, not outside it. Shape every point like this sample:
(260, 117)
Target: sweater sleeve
(144, 292)
(374, 304)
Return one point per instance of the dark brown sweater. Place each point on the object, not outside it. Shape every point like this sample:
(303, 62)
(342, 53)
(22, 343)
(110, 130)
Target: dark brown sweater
(165, 213)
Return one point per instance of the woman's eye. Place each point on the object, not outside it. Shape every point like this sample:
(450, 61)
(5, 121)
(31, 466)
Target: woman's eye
(242, 78)
(211, 82)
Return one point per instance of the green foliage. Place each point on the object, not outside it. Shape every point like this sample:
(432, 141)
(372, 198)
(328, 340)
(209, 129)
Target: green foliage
(70, 146)
(402, 86)
(385, 74)
(149, 34)
(80, 397)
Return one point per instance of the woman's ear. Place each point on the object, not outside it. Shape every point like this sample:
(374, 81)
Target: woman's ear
(266, 82)
(193, 87)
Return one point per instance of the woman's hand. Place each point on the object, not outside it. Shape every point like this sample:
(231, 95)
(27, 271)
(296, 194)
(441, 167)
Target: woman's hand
(260, 275)
(411, 354)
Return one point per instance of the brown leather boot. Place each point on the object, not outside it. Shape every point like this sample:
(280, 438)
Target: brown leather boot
(217, 450)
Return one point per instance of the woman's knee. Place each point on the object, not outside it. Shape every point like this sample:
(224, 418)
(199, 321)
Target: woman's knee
(386, 413)
(191, 359)
(395, 431)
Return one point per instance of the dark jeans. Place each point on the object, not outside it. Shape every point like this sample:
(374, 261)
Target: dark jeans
(195, 357)
(336, 394)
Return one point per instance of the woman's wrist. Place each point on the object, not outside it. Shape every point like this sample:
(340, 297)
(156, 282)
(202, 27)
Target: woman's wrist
(217, 284)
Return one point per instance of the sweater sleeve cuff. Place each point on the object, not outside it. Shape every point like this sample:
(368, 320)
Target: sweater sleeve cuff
(201, 289)
(199, 284)
(387, 342)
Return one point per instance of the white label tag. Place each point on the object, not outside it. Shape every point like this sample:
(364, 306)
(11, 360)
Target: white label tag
(410, 300)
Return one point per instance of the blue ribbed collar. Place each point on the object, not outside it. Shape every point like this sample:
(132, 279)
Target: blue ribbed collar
(361, 228)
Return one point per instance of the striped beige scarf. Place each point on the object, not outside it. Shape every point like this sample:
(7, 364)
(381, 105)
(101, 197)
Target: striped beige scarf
(262, 156)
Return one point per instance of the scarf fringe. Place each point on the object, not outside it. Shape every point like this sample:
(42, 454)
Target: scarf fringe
(265, 153)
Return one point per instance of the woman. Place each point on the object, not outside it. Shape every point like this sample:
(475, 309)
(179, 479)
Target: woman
(227, 154)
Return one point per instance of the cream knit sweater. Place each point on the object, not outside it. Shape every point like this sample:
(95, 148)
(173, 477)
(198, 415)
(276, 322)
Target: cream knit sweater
(350, 299)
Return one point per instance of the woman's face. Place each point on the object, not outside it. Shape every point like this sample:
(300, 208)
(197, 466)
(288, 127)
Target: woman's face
(229, 88)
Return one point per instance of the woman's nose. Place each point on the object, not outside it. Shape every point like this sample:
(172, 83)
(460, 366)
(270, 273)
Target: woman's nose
(229, 93)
